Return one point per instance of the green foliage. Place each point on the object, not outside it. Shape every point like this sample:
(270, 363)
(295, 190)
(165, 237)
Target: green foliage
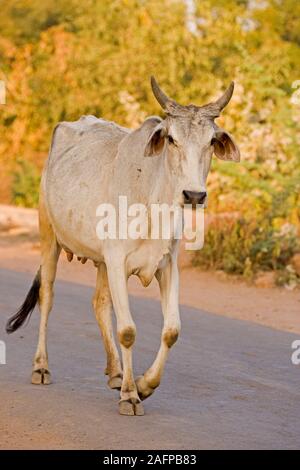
(25, 186)
(247, 246)
(63, 59)
(25, 20)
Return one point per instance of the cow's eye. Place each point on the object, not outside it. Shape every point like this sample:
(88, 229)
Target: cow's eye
(170, 139)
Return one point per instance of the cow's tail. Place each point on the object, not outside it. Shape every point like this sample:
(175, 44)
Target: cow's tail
(27, 307)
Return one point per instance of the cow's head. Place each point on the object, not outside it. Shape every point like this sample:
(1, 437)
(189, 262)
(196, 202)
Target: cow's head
(187, 138)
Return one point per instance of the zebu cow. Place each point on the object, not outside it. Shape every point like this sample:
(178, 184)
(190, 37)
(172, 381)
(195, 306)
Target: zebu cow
(92, 161)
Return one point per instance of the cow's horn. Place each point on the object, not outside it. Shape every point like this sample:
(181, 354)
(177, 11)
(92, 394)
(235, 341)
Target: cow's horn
(161, 97)
(225, 98)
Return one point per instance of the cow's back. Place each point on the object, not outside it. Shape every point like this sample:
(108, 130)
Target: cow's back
(88, 136)
(77, 175)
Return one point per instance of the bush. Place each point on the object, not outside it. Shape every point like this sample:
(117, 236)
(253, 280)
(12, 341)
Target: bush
(246, 246)
(25, 186)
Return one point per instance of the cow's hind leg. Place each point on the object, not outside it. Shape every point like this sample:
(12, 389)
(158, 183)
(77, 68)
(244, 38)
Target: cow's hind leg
(103, 309)
(168, 283)
(50, 251)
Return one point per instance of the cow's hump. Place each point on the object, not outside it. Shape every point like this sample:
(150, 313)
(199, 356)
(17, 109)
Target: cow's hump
(87, 132)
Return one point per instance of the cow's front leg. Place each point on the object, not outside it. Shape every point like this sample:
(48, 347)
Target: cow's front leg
(130, 403)
(168, 283)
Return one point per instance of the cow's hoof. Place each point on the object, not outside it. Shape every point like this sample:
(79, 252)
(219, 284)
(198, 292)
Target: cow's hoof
(144, 390)
(131, 408)
(41, 377)
(115, 382)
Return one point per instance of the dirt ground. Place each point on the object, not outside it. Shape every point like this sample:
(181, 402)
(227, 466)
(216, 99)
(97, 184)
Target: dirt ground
(212, 292)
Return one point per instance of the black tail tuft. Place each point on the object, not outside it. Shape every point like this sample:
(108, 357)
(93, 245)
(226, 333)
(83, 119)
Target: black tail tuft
(27, 307)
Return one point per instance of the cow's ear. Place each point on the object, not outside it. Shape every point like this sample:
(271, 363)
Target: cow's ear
(224, 146)
(156, 141)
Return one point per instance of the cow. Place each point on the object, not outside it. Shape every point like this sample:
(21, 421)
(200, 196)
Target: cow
(93, 161)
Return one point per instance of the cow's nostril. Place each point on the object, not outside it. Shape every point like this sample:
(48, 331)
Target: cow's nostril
(186, 195)
(202, 197)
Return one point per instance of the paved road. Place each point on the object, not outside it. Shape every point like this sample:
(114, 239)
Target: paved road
(228, 384)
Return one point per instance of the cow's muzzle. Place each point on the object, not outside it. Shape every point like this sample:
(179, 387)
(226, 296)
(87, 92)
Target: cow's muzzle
(193, 197)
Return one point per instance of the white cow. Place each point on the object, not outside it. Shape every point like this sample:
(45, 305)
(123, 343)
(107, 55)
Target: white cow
(93, 161)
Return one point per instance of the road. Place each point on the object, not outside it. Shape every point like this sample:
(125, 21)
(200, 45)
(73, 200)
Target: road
(228, 383)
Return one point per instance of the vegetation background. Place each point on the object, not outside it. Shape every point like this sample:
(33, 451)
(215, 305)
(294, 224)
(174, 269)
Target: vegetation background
(62, 59)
